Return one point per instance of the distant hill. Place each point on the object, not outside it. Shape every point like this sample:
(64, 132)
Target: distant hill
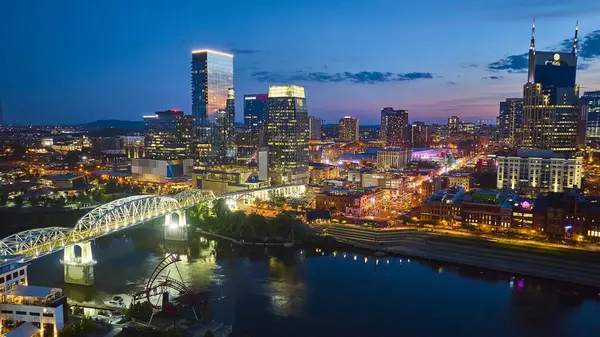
(113, 124)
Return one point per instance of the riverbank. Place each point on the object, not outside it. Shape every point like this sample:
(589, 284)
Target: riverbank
(549, 262)
(242, 242)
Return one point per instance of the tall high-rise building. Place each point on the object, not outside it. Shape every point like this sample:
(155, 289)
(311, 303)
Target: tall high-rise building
(453, 122)
(168, 135)
(551, 111)
(226, 125)
(590, 102)
(212, 84)
(314, 128)
(255, 115)
(394, 127)
(348, 129)
(287, 134)
(420, 134)
(509, 120)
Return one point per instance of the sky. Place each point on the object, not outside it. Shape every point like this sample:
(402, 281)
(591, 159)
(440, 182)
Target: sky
(78, 61)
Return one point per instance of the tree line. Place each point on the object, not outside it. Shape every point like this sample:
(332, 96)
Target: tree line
(217, 218)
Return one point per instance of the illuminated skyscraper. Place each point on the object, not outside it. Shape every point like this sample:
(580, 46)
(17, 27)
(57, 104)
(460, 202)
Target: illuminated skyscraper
(287, 134)
(453, 122)
(167, 135)
(551, 111)
(348, 129)
(255, 114)
(420, 134)
(591, 109)
(509, 120)
(314, 128)
(394, 127)
(212, 79)
(226, 128)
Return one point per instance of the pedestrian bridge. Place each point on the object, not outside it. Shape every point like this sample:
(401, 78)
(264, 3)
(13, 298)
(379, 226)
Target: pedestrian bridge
(118, 215)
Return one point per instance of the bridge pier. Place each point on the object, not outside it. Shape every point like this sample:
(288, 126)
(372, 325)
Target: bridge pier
(176, 230)
(79, 269)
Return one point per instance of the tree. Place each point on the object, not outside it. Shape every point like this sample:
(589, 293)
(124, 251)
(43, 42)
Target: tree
(87, 326)
(17, 151)
(72, 157)
(277, 200)
(34, 201)
(111, 187)
(208, 333)
(3, 200)
(82, 199)
(68, 331)
(220, 208)
(18, 200)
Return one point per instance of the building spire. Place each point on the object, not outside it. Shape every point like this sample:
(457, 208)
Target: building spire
(532, 44)
(575, 42)
(531, 58)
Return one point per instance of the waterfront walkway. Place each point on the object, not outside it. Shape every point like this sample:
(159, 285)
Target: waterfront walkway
(561, 264)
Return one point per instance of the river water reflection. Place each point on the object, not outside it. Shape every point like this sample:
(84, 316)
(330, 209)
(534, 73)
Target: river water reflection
(309, 292)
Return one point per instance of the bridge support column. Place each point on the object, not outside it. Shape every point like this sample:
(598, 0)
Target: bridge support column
(176, 230)
(79, 269)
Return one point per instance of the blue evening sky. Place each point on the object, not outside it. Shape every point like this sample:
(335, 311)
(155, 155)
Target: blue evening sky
(78, 61)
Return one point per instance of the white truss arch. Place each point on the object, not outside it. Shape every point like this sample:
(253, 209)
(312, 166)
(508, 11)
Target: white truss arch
(35, 242)
(191, 198)
(122, 213)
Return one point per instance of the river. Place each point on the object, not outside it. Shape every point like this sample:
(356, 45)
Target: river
(312, 292)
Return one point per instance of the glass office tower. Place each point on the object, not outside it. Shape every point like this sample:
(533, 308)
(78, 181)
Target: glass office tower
(509, 120)
(591, 109)
(212, 80)
(255, 112)
(551, 111)
(287, 134)
(167, 135)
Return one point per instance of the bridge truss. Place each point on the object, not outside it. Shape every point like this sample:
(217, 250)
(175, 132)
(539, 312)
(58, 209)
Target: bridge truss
(117, 215)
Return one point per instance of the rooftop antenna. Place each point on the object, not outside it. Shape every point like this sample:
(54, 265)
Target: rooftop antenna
(575, 42)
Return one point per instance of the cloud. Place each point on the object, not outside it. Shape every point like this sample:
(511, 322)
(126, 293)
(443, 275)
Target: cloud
(244, 51)
(510, 63)
(363, 77)
(589, 48)
(451, 82)
(583, 66)
(492, 77)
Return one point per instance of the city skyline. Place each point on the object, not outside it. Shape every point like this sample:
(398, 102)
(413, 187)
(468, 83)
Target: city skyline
(117, 64)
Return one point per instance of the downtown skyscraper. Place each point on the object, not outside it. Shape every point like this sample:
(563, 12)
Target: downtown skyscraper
(348, 129)
(551, 111)
(167, 135)
(212, 91)
(591, 109)
(287, 135)
(394, 127)
(255, 114)
(314, 128)
(509, 120)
